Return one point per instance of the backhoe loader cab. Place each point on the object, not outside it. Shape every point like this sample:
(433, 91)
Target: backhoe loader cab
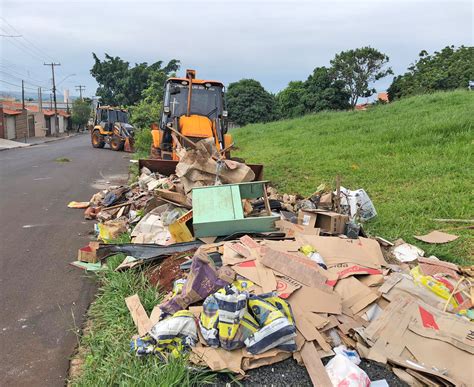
(111, 127)
(193, 109)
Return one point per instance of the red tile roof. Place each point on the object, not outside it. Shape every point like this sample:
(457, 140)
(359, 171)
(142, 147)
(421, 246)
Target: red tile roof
(383, 96)
(11, 112)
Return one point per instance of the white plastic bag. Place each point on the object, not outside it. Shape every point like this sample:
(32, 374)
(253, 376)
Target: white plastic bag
(358, 203)
(344, 373)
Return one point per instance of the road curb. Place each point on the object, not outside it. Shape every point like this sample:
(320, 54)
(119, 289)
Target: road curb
(44, 141)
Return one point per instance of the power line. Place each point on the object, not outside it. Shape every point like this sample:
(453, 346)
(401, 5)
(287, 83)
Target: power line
(19, 86)
(21, 79)
(33, 45)
(10, 36)
(22, 47)
(21, 69)
(80, 88)
(18, 73)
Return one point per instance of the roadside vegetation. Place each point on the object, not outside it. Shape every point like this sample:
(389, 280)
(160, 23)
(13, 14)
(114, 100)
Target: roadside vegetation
(104, 351)
(414, 158)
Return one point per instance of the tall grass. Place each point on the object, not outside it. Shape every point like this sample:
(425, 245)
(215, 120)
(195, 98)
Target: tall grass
(414, 157)
(105, 346)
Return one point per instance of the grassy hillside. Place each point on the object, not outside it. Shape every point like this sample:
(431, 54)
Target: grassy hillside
(414, 158)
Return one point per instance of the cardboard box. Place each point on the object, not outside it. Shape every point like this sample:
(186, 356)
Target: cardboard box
(328, 221)
(88, 253)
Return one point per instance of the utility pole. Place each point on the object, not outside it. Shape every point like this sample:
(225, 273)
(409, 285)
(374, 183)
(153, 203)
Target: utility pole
(22, 94)
(56, 121)
(80, 88)
(40, 100)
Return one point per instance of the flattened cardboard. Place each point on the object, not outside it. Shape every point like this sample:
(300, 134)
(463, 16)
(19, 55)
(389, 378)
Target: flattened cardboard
(231, 257)
(431, 266)
(436, 237)
(285, 285)
(291, 229)
(355, 295)
(300, 269)
(257, 273)
(316, 300)
(435, 339)
(314, 366)
(155, 315)
(218, 359)
(363, 251)
(139, 316)
(272, 356)
(344, 270)
(307, 329)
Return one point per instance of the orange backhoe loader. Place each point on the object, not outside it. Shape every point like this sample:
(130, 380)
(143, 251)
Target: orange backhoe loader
(193, 109)
(111, 127)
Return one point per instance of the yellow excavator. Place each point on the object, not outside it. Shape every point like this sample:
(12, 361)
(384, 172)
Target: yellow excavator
(111, 127)
(193, 109)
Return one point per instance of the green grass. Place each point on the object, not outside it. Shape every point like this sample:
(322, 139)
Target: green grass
(414, 157)
(105, 346)
(62, 160)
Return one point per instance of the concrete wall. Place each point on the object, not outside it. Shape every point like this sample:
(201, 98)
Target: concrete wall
(40, 124)
(3, 133)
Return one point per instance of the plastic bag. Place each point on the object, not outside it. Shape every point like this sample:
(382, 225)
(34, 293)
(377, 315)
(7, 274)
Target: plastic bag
(344, 373)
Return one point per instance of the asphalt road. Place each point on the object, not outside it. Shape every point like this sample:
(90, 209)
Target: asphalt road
(42, 298)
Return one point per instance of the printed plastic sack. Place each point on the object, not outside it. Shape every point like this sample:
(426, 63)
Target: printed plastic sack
(203, 279)
(225, 320)
(173, 335)
(344, 373)
(442, 289)
(274, 316)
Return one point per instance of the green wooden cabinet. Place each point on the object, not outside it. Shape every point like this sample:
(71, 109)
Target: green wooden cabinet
(218, 210)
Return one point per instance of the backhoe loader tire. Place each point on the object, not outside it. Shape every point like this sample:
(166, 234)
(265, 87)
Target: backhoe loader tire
(97, 140)
(116, 143)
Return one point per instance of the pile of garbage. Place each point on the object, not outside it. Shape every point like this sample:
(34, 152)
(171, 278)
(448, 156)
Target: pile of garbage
(256, 277)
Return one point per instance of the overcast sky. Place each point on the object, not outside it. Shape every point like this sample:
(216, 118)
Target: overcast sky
(272, 41)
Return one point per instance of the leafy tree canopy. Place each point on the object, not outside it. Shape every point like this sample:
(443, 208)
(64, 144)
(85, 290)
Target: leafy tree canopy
(81, 112)
(358, 69)
(319, 92)
(249, 102)
(122, 84)
(448, 69)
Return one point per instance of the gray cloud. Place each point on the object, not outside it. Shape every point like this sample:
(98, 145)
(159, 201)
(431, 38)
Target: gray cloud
(272, 41)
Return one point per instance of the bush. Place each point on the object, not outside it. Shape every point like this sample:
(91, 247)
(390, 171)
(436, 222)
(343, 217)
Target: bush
(143, 141)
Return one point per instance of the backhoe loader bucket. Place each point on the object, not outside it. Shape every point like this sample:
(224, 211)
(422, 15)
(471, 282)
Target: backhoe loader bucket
(168, 167)
(128, 146)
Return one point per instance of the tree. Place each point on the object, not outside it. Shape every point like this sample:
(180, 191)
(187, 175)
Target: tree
(324, 92)
(319, 92)
(81, 112)
(447, 69)
(121, 84)
(249, 102)
(358, 69)
(290, 100)
(144, 113)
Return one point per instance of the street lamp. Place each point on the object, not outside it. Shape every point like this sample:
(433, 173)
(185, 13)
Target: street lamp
(66, 77)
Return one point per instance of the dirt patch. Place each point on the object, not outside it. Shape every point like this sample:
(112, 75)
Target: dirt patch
(164, 274)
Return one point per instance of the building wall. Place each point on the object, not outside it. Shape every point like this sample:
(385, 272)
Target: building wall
(40, 124)
(3, 133)
(22, 125)
(61, 124)
(10, 123)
